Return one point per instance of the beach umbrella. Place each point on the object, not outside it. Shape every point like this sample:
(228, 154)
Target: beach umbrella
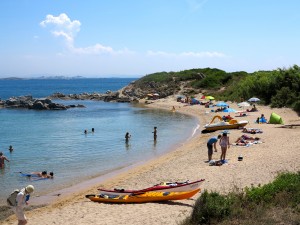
(209, 97)
(243, 104)
(229, 110)
(221, 104)
(254, 99)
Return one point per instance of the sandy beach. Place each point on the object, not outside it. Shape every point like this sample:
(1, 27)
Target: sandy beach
(279, 151)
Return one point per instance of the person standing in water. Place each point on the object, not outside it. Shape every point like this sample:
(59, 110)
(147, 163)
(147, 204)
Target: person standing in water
(10, 148)
(127, 136)
(155, 133)
(2, 160)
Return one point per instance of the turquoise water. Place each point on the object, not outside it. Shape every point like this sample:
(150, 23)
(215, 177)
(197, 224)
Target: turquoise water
(55, 141)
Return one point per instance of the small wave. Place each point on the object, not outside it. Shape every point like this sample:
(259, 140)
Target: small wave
(195, 130)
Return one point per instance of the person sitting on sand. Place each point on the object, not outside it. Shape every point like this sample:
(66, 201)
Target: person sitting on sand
(262, 119)
(254, 109)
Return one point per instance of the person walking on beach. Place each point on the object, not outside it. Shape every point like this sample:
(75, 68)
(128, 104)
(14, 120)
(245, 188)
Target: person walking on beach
(155, 133)
(21, 200)
(2, 160)
(224, 143)
(212, 143)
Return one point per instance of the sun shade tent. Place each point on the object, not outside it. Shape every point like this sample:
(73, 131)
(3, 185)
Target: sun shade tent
(229, 110)
(275, 119)
(209, 97)
(221, 104)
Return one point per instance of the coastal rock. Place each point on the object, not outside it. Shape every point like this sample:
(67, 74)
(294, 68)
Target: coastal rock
(28, 102)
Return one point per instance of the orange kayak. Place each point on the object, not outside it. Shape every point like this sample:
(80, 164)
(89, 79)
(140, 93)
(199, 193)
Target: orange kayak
(143, 197)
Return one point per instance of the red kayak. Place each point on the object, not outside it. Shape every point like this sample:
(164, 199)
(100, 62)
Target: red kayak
(167, 186)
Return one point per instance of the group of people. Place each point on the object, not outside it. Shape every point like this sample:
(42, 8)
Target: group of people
(223, 142)
(244, 140)
(42, 174)
(128, 136)
(86, 131)
(23, 195)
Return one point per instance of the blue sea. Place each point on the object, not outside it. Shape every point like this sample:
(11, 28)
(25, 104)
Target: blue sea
(55, 140)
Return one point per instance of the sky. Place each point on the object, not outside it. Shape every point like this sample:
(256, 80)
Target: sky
(133, 38)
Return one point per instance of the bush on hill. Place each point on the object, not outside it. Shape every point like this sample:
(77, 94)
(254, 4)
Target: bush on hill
(278, 88)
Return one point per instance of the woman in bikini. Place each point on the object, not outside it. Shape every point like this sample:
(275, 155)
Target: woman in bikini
(224, 143)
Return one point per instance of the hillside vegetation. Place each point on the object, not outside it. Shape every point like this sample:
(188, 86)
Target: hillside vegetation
(277, 88)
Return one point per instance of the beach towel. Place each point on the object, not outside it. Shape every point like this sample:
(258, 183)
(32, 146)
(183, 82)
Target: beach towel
(217, 162)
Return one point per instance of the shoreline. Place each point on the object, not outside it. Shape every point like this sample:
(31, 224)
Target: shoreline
(260, 165)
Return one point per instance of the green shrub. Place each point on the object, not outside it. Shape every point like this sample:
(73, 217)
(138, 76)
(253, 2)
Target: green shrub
(282, 194)
(210, 206)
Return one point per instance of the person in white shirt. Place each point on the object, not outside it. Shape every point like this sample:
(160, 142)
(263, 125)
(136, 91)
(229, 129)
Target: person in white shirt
(22, 199)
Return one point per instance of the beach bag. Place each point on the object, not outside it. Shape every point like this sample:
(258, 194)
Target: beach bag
(11, 200)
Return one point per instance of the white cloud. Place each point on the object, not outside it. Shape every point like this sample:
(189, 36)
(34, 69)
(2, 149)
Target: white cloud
(63, 26)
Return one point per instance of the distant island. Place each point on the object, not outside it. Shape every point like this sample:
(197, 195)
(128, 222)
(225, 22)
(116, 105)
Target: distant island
(44, 77)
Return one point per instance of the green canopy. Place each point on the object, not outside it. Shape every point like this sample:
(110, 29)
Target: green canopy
(275, 119)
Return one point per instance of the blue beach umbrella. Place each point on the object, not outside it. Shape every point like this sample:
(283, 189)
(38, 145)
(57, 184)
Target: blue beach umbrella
(229, 110)
(221, 104)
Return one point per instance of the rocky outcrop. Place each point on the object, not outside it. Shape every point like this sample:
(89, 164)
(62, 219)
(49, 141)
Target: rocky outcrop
(116, 96)
(28, 102)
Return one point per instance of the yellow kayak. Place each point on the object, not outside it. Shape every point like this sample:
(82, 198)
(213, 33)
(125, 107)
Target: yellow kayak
(143, 197)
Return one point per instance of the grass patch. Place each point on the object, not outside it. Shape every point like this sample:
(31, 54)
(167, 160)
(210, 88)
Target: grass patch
(274, 203)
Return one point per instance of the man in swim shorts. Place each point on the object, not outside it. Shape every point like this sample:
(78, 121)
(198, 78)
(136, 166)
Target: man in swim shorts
(212, 143)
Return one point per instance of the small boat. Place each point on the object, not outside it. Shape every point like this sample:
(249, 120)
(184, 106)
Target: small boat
(222, 125)
(143, 197)
(166, 186)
